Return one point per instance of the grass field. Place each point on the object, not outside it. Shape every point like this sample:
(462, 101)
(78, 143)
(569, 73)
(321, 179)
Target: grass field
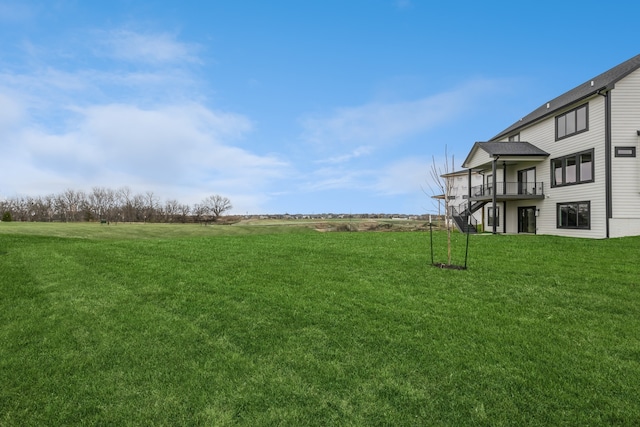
(283, 325)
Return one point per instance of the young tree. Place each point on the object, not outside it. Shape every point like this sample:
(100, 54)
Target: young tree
(444, 187)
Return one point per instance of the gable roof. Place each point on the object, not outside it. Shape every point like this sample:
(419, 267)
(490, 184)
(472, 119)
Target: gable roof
(505, 149)
(601, 83)
(511, 149)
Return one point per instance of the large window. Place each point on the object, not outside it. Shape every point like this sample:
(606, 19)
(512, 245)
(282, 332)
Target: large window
(573, 169)
(572, 122)
(574, 215)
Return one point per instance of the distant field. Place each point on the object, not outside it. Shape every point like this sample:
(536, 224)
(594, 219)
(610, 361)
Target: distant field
(279, 324)
(254, 226)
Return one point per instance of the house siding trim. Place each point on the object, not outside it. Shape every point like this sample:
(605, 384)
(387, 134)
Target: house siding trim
(607, 162)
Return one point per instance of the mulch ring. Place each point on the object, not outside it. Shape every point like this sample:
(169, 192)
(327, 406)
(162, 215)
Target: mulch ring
(449, 266)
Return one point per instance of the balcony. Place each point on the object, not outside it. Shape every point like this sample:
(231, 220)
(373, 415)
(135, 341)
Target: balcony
(508, 191)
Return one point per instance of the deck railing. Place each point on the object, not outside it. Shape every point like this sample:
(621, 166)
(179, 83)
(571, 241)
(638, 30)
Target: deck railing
(525, 189)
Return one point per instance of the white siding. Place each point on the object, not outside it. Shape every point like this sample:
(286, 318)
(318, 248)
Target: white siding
(625, 122)
(625, 171)
(542, 135)
(620, 227)
(480, 157)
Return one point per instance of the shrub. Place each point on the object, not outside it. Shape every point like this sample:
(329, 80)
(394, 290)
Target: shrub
(346, 227)
(6, 217)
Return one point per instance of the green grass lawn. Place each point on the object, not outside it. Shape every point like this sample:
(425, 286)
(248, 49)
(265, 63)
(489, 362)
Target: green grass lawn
(250, 325)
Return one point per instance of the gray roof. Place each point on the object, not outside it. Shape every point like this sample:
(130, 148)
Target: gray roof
(511, 149)
(506, 149)
(602, 83)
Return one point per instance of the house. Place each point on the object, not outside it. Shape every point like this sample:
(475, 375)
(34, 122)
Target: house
(568, 168)
(456, 202)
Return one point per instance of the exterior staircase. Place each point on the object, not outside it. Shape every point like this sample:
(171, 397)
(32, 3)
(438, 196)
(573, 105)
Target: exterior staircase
(463, 216)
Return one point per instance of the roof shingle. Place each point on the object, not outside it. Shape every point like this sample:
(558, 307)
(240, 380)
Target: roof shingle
(511, 149)
(602, 82)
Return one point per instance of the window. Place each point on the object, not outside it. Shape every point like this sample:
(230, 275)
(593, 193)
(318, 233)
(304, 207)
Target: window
(490, 215)
(625, 151)
(572, 122)
(574, 215)
(489, 184)
(514, 138)
(573, 169)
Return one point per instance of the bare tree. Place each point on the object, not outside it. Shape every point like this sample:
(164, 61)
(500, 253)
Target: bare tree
(102, 203)
(216, 205)
(170, 210)
(106, 204)
(444, 187)
(42, 208)
(183, 211)
(199, 211)
(71, 201)
(151, 204)
(125, 201)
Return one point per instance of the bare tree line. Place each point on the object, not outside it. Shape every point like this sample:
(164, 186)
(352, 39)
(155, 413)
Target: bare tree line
(108, 205)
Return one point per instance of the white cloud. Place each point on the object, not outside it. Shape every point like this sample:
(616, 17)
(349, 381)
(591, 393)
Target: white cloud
(383, 123)
(333, 178)
(66, 125)
(182, 152)
(405, 176)
(354, 154)
(184, 144)
(159, 48)
(11, 112)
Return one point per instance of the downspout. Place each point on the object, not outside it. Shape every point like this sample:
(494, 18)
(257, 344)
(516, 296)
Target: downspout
(493, 193)
(607, 158)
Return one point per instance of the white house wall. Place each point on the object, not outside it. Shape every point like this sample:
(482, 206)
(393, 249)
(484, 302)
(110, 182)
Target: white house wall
(542, 135)
(624, 173)
(625, 109)
(480, 157)
(593, 192)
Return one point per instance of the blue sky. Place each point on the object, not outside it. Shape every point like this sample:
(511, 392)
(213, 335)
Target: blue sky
(283, 106)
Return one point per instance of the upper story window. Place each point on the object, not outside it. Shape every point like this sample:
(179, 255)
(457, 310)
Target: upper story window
(514, 138)
(572, 122)
(573, 169)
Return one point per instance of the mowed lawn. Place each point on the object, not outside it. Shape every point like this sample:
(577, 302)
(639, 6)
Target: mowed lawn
(249, 325)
